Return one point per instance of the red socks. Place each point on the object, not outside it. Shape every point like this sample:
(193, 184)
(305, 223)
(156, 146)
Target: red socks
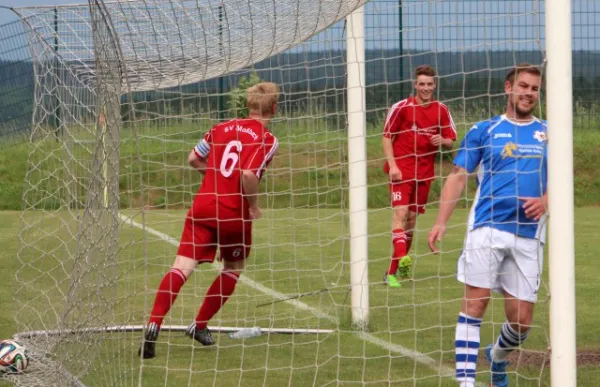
(399, 239)
(167, 293)
(216, 296)
(409, 237)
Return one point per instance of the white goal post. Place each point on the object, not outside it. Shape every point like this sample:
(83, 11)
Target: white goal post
(357, 168)
(559, 82)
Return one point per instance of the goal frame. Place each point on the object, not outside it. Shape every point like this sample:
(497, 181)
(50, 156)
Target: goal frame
(559, 83)
(560, 184)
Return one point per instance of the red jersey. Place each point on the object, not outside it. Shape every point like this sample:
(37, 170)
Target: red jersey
(410, 126)
(229, 148)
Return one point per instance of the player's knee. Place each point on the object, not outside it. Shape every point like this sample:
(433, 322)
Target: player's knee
(400, 214)
(476, 307)
(236, 266)
(520, 321)
(476, 301)
(411, 220)
(185, 264)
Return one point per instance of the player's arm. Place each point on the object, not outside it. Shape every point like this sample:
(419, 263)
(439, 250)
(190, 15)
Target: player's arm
(253, 171)
(392, 123)
(197, 158)
(251, 184)
(388, 151)
(447, 134)
(451, 193)
(197, 162)
(535, 208)
(447, 143)
(465, 162)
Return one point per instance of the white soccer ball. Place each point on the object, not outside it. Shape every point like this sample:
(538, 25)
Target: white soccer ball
(13, 357)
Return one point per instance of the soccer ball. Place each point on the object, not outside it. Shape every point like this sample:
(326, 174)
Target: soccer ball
(13, 357)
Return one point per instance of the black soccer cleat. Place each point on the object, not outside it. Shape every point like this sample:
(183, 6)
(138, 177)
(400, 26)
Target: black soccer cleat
(203, 336)
(147, 350)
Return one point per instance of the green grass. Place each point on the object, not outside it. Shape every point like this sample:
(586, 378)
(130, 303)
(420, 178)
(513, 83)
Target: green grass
(295, 251)
(309, 170)
(299, 246)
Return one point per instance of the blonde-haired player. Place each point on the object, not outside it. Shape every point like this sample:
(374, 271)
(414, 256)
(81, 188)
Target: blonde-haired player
(232, 156)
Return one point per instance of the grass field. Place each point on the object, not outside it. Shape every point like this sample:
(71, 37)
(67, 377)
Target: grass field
(299, 246)
(308, 170)
(295, 251)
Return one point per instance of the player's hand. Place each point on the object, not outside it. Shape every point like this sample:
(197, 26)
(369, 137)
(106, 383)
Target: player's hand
(255, 213)
(435, 235)
(534, 208)
(395, 173)
(436, 140)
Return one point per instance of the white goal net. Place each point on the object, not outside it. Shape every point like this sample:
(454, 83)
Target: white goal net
(124, 89)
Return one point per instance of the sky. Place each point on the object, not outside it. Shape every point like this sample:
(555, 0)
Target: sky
(382, 19)
(8, 16)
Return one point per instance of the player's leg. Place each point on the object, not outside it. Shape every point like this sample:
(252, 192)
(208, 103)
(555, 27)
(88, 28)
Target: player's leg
(235, 248)
(514, 332)
(169, 288)
(405, 262)
(477, 269)
(519, 277)
(197, 245)
(467, 334)
(400, 194)
(216, 296)
(411, 224)
(418, 201)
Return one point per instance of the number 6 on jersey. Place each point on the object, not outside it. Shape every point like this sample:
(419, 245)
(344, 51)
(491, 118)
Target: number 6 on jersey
(230, 157)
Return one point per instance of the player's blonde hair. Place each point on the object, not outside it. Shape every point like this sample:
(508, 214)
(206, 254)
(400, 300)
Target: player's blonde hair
(261, 97)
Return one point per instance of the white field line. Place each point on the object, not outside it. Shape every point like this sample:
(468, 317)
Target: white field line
(417, 356)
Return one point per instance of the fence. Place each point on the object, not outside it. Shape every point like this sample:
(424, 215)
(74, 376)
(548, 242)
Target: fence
(471, 55)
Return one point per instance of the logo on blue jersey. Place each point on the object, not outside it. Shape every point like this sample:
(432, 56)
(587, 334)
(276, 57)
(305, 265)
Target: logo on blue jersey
(540, 136)
(502, 135)
(521, 151)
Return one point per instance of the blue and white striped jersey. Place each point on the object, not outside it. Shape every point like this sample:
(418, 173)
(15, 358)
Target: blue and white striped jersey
(512, 161)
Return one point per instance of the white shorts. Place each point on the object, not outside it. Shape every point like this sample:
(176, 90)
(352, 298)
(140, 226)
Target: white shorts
(499, 260)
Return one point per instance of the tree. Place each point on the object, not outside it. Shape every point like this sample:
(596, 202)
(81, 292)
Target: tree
(237, 104)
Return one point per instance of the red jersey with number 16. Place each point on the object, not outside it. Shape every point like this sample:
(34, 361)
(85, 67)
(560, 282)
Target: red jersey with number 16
(229, 148)
(410, 126)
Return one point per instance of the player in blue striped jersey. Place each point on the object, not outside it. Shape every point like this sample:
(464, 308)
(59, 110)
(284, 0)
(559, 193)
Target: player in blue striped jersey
(503, 249)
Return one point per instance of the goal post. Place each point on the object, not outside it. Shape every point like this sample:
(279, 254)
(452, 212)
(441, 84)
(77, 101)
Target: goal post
(559, 82)
(357, 168)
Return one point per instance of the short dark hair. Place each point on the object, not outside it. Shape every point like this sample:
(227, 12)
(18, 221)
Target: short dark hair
(522, 68)
(426, 70)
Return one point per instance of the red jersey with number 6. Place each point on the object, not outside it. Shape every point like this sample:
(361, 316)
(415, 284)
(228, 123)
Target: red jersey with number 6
(229, 148)
(410, 126)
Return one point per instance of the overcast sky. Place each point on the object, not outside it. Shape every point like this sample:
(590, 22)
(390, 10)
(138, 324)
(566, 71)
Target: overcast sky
(7, 15)
(382, 14)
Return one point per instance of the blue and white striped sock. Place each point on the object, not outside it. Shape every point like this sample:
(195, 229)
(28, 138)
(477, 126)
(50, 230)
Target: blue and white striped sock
(466, 348)
(507, 342)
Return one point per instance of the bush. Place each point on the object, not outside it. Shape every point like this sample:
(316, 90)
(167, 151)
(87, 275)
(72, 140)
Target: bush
(236, 105)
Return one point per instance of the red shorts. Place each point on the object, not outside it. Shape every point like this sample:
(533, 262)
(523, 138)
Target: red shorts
(411, 193)
(200, 239)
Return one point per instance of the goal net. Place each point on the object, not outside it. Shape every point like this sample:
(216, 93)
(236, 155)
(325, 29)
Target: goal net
(123, 91)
